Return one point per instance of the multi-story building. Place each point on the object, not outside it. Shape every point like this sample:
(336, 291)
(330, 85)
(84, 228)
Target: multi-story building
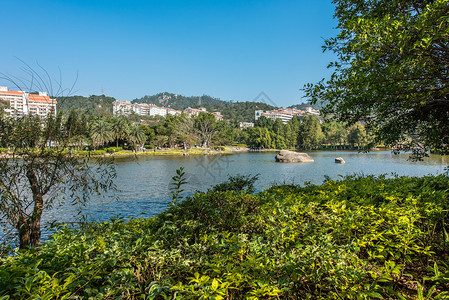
(196, 111)
(125, 108)
(122, 108)
(22, 103)
(285, 114)
(244, 125)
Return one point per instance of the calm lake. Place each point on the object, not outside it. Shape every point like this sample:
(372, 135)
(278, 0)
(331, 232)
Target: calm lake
(144, 183)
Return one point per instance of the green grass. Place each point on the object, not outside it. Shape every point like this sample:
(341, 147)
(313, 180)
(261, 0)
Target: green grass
(360, 237)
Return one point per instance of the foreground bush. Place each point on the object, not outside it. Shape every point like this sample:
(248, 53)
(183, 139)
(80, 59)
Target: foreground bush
(355, 238)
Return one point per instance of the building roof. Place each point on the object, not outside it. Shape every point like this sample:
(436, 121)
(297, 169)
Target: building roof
(123, 102)
(39, 98)
(11, 93)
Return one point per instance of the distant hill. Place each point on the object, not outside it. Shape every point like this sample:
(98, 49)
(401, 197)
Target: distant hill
(238, 111)
(95, 104)
(303, 106)
(101, 104)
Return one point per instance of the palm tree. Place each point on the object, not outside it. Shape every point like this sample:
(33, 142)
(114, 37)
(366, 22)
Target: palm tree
(136, 136)
(100, 132)
(119, 129)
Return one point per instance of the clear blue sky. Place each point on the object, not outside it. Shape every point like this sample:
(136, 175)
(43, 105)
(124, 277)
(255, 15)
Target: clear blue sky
(232, 50)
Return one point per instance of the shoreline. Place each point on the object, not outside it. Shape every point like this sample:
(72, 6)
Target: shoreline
(193, 151)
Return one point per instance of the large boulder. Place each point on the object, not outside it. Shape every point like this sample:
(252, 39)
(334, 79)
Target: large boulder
(339, 160)
(293, 157)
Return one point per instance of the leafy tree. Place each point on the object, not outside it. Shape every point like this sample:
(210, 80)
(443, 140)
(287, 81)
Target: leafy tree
(264, 122)
(205, 126)
(357, 135)
(310, 135)
(76, 127)
(100, 132)
(278, 127)
(149, 132)
(290, 139)
(136, 136)
(391, 70)
(3, 105)
(119, 129)
(39, 171)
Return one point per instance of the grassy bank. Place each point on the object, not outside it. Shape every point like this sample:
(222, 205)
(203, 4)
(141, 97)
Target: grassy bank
(355, 238)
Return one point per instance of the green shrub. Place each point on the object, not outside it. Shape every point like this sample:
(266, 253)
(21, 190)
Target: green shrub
(113, 149)
(359, 237)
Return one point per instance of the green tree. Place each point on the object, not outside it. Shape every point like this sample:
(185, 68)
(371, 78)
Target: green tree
(205, 126)
(290, 139)
(278, 127)
(119, 129)
(264, 122)
(357, 135)
(310, 135)
(391, 70)
(39, 171)
(100, 132)
(136, 136)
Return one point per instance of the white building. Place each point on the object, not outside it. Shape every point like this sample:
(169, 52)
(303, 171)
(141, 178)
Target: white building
(285, 114)
(244, 125)
(122, 108)
(22, 103)
(196, 111)
(125, 108)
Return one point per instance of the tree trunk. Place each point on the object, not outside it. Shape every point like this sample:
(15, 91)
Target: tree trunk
(24, 233)
(34, 227)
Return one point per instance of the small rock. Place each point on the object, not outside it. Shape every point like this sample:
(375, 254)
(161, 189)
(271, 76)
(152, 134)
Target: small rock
(339, 160)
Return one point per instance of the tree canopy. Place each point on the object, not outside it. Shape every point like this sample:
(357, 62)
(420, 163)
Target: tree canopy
(391, 71)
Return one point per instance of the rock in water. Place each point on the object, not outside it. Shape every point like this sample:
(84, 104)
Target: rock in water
(293, 157)
(339, 160)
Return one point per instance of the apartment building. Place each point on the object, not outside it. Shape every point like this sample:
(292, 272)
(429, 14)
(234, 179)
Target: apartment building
(22, 103)
(125, 108)
(196, 111)
(285, 114)
(122, 108)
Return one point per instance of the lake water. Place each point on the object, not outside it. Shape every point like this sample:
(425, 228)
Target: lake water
(144, 183)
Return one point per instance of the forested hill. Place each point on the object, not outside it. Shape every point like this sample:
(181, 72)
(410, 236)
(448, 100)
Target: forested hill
(179, 102)
(303, 106)
(238, 111)
(101, 104)
(92, 105)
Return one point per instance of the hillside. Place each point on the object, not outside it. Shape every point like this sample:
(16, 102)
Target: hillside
(101, 104)
(95, 104)
(303, 106)
(238, 111)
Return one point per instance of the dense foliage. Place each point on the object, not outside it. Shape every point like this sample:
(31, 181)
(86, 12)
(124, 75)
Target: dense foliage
(361, 237)
(393, 58)
(306, 133)
(92, 105)
(100, 132)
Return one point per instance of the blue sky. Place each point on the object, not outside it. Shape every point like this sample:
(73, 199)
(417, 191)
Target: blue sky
(231, 50)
